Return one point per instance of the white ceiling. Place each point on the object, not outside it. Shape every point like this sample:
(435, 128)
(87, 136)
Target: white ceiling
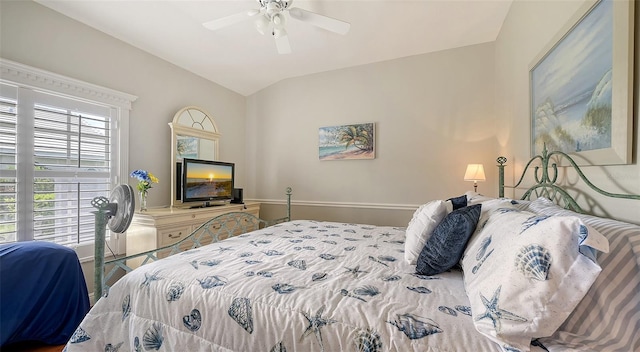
(241, 59)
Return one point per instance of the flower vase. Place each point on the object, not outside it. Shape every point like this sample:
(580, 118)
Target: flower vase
(143, 201)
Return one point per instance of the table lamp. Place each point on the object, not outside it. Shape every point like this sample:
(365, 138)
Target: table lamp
(475, 173)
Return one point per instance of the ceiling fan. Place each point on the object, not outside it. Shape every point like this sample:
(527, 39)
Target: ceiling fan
(271, 19)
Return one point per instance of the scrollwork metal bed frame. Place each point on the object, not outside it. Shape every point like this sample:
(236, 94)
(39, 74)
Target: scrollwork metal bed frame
(213, 230)
(545, 181)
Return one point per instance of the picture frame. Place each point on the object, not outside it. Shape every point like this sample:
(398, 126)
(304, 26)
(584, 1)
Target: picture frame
(187, 147)
(347, 142)
(581, 86)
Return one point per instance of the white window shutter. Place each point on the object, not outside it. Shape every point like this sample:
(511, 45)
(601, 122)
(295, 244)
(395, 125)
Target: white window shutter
(65, 141)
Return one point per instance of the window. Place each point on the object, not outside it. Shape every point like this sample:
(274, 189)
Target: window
(64, 151)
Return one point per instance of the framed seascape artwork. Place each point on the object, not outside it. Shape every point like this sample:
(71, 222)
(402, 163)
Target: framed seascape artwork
(347, 142)
(187, 147)
(581, 86)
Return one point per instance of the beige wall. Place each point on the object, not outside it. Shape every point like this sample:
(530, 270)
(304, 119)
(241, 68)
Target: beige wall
(34, 35)
(434, 114)
(528, 28)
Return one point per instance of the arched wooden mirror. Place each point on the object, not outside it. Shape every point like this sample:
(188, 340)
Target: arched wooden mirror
(194, 135)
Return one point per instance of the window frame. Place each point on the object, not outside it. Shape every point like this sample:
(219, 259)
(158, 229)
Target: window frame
(29, 79)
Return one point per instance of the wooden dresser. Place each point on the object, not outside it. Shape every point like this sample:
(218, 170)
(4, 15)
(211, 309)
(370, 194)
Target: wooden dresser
(159, 227)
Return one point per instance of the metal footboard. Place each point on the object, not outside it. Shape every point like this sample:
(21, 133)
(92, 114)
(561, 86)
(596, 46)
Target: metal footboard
(214, 230)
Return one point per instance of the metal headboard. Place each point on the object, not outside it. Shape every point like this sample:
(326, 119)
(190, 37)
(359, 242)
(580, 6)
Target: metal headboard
(545, 181)
(216, 229)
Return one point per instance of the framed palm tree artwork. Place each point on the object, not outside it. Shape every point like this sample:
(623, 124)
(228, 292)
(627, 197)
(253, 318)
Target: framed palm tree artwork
(347, 142)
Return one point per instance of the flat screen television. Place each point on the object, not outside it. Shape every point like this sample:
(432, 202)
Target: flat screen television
(208, 182)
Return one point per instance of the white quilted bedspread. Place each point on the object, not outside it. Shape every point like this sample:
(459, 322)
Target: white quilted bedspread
(298, 286)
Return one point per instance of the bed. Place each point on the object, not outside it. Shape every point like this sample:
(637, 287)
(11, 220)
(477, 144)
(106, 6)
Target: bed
(467, 273)
(43, 296)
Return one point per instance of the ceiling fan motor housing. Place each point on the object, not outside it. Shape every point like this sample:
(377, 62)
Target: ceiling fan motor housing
(273, 8)
(274, 5)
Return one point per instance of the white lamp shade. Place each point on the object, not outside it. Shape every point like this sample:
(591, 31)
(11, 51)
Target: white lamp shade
(475, 172)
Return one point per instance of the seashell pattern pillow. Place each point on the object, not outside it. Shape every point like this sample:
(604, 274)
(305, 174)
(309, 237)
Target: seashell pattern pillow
(525, 273)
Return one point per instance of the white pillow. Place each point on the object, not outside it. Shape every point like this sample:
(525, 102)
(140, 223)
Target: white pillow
(539, 205)
(607, 317)
(424, 221)
(493, 205)
(525, 273)
(476, 198)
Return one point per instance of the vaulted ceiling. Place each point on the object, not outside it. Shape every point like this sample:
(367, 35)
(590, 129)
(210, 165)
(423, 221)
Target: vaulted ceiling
(243, 60)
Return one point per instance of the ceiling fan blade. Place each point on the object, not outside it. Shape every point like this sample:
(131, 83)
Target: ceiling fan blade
(282, 44)
(328, 23)
(230, 20)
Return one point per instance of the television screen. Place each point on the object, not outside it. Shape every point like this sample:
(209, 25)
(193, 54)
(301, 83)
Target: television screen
(205, 180)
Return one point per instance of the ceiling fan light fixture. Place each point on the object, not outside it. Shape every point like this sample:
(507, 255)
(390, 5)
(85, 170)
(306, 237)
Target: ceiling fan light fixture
(278, 20)
(262, 24)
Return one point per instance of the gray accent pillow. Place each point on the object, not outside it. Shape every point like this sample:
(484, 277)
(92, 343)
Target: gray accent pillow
(445, 247)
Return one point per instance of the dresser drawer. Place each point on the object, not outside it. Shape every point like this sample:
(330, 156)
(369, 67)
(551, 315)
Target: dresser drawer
(170, 236)
(201, 218)
(161, 227)
(253, 210)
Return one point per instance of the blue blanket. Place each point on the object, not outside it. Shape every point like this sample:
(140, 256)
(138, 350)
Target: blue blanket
(43, 294)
